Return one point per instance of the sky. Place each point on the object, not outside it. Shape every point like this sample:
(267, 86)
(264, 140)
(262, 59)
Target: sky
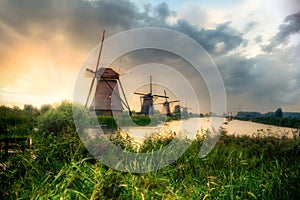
(254, 44)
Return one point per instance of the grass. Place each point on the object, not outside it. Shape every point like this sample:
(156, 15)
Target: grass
(59, 166)
(236, 168)
(276, 121)
(125, 121)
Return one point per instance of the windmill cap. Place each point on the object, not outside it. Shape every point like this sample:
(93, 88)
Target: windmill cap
(107, 73)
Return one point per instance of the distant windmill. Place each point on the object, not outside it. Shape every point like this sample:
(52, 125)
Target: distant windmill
(147, 100)
(166, 105)
(106, 100)
(184, 112)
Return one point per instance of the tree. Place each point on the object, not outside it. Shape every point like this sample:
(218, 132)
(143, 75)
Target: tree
(58, 120)
(44, 108)
(278, 112)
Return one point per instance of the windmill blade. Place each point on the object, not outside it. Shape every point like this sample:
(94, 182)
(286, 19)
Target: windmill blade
(159, 96)
(138, 93)
(125, 73)
(166, 95)
(90, 90)
(97, 66)
(89, 70)
(174, 101)
(160, 103)
(167, 102)
(100, 51)
(151, 85)
(89, 73)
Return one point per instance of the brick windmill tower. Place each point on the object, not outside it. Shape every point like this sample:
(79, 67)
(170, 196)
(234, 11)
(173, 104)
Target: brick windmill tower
(106, 100)
(166, 105)
(147, 100)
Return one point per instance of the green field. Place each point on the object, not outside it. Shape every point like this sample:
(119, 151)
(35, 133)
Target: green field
(59, 167)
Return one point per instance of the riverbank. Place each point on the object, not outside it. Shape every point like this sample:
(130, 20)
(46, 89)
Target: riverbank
(199, 126)
(236, 168)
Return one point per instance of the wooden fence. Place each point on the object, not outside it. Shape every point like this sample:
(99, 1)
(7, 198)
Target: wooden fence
(15, 145)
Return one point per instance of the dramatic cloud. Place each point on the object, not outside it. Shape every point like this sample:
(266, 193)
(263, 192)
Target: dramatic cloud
(216, 41)
(291, 26)
(266, 81)
(43, 43)
(80, 22)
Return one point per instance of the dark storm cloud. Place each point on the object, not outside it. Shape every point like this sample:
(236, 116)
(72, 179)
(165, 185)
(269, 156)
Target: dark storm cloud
(153, 16)
(22, 14)
(81, 21)
(237, 71)
(216, 41)
(290, 26)
(19, 15)
(163, 11)
(261, 80)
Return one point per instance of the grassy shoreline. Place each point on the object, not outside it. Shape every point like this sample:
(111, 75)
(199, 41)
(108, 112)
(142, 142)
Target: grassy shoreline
(237, 168)
(59, 166)
(276, 121)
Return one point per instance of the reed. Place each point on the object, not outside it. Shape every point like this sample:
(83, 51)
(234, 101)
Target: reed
(236, 168)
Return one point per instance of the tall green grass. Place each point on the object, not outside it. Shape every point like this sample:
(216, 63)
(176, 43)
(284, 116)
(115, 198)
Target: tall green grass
(59, 167)
(236, 168)
(121, 121)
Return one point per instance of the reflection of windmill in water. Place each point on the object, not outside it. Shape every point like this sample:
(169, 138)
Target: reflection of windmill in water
(106, 100)
(166, 105)
(147, 100)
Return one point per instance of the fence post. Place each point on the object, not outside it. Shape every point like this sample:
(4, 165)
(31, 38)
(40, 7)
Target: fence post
(30, 142)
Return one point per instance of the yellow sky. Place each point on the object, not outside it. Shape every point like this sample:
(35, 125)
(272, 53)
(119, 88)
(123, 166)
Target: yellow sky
(38, 72)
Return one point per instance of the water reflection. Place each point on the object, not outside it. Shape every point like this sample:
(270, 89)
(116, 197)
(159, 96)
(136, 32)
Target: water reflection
(194, 126)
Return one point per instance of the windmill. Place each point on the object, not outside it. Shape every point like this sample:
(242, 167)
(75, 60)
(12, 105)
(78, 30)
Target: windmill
(106, 100)
(166, 105)
(184, 112)
(147, 100)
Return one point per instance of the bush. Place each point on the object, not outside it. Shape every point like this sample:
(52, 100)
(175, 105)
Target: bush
(15, 122)
(57, 120)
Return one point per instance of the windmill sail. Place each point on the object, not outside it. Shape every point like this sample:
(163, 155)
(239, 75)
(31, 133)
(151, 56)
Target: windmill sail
(97, 66)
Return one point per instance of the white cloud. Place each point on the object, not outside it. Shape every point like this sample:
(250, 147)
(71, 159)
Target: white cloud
(263, 16)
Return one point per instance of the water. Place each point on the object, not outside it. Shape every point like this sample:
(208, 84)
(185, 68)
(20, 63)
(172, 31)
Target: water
(194, 126)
